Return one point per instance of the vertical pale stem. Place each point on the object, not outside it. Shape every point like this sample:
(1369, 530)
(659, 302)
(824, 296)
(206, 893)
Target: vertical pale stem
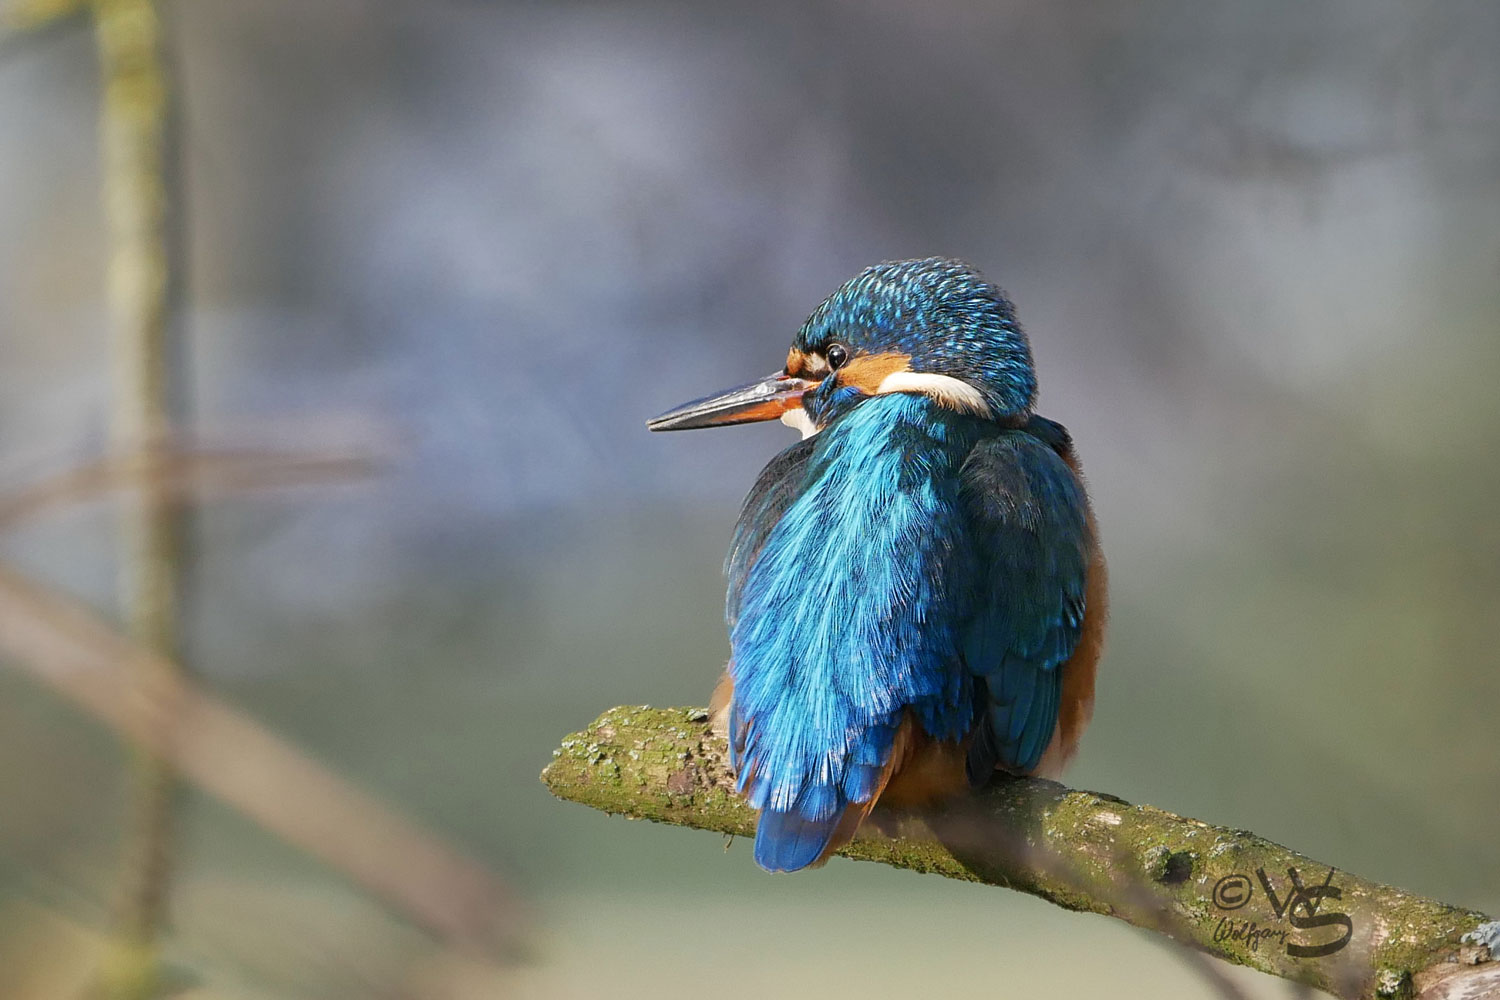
(134, 137)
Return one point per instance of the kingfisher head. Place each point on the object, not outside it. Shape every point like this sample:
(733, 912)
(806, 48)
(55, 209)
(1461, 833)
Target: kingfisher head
(933, 326)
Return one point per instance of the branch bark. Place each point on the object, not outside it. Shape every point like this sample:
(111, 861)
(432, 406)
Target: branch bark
(1225, 892)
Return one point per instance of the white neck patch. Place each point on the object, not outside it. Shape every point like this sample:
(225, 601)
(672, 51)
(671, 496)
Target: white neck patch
(951, 392)
(798, 419)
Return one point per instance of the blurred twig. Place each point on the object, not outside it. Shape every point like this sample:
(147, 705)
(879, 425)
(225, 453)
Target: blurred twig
(134, 130)
(181, 474)
(24, 24)
(18, 17)
(1186, 879)
(227, 754)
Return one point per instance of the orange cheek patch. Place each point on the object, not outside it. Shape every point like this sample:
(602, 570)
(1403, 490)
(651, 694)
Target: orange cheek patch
(796, 362)
(868, 371)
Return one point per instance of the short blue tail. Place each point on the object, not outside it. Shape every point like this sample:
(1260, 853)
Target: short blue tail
(787, 842)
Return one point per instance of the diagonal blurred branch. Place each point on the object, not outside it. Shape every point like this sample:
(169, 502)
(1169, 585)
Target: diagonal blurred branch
(23, 23)
(1175, 876)
(20, 16)
(227, 754)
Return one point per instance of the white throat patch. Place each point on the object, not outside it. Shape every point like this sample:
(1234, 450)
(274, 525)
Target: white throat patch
(951, 392)
(797, 418)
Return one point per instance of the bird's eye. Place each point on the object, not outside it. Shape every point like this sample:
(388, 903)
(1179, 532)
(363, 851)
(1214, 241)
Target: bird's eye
(836, 354)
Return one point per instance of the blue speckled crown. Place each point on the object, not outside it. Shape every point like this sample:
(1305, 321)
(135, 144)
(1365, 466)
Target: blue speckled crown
(941, 312)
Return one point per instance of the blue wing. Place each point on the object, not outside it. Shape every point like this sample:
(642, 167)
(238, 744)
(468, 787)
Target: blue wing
(1028, 522)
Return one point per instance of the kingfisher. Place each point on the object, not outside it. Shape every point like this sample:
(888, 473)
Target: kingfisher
(917, 596)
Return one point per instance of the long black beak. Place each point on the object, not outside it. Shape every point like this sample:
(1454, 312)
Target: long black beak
(764, 399)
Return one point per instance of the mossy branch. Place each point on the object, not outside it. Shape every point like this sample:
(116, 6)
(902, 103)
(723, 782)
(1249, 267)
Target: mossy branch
(1225, 892)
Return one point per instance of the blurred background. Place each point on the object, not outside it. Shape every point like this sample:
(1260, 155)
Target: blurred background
(1257, 249)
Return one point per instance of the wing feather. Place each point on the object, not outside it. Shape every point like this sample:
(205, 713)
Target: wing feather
(1028, 518)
